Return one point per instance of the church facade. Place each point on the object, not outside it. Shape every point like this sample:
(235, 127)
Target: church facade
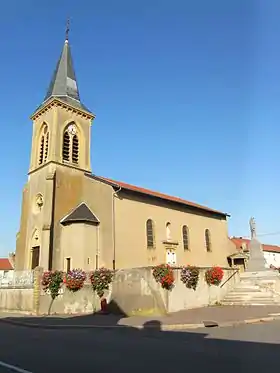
(72, 218)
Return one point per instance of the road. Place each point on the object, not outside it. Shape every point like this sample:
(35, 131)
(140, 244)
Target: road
(239, 349)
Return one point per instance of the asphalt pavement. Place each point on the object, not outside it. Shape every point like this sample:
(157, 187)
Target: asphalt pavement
(244, 348)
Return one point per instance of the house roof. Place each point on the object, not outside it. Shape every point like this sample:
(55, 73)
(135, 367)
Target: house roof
(5, 264)
(134, 188)
(238, 241)
(81, 214)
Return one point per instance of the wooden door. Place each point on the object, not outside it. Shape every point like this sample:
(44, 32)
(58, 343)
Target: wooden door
(35, 257)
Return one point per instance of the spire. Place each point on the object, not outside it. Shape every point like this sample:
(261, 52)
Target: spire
(64, 83)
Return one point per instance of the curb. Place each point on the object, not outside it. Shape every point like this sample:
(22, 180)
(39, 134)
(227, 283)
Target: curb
(162, 328)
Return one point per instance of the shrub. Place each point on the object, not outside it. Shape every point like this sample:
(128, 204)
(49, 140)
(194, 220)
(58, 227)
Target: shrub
(74, 280)
(214, 276)
(163, 274)
(190, 276)
(100, 280)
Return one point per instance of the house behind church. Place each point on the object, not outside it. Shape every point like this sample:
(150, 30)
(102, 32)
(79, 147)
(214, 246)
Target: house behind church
(271, 252)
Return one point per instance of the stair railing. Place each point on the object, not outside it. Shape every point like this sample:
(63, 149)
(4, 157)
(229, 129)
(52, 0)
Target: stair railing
(230, 277)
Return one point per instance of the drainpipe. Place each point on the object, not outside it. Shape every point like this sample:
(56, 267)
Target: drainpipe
(115, 194)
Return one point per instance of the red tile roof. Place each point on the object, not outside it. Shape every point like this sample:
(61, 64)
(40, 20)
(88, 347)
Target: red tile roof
(239, 240)
(158, 195)
(5, 264)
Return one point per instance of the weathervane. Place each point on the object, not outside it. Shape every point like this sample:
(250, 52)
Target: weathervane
(67, 29)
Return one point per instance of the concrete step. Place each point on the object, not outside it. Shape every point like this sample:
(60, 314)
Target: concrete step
(250, 303)
(235, 301)
(249, 289)
(249, 295)
(247, 286)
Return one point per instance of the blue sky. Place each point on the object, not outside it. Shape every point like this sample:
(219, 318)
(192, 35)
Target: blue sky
(186, 96)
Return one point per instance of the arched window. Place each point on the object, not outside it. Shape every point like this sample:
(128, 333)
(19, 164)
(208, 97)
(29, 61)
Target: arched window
(207, 240)
(150, 234)
(44, 145)
(185, 234)
(70, 147)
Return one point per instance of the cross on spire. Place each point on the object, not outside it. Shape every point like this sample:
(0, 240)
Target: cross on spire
(67, 29)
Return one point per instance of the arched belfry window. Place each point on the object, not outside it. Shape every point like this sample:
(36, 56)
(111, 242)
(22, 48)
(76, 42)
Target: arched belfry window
(185, 234)
(150, 234)
(70, 147)
(44, 145)
(208, 240)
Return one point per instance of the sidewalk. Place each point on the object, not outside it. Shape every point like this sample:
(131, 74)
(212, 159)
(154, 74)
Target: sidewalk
(195, 318)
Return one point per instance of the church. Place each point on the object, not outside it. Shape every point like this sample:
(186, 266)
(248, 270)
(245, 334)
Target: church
(71, 218)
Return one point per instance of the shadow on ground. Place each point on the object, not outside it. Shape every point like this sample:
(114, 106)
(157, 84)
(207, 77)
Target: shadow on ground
(129, 349)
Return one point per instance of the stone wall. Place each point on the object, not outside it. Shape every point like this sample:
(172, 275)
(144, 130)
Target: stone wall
(183, 298)
(16, 300)
(134, 291)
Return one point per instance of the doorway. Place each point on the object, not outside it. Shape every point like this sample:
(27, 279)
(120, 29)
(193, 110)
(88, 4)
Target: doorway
(35, 257)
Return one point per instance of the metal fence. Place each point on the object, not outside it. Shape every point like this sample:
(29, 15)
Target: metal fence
(18, 279)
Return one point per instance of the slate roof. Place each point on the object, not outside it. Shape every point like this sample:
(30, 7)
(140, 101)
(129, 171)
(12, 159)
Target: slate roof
(64, 84)
(81, 214)
(155, 194)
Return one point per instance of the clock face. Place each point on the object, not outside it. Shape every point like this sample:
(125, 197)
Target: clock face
(72, 129)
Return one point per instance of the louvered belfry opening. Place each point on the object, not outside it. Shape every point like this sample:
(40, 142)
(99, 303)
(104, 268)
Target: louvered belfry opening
(150, 234)
(75, 149)
(41, 150)
(66, 147)
(46, 146)
(70, 151)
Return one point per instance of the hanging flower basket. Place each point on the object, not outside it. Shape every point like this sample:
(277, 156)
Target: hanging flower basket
(163, 274)
(100, 280)
(214, 276)
(51, 283)
(74, 280)
(190, 276)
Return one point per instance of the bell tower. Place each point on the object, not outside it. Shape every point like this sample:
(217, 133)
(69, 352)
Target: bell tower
(61, 124)
(60, 141)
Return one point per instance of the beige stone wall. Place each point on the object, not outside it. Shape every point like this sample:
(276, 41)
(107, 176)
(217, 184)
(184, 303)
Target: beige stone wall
(68, 194)
(16, 300)
(79, 242)
(72, 188)
(35, 224)
(131, 246)
(99, 198)
(22, 234)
